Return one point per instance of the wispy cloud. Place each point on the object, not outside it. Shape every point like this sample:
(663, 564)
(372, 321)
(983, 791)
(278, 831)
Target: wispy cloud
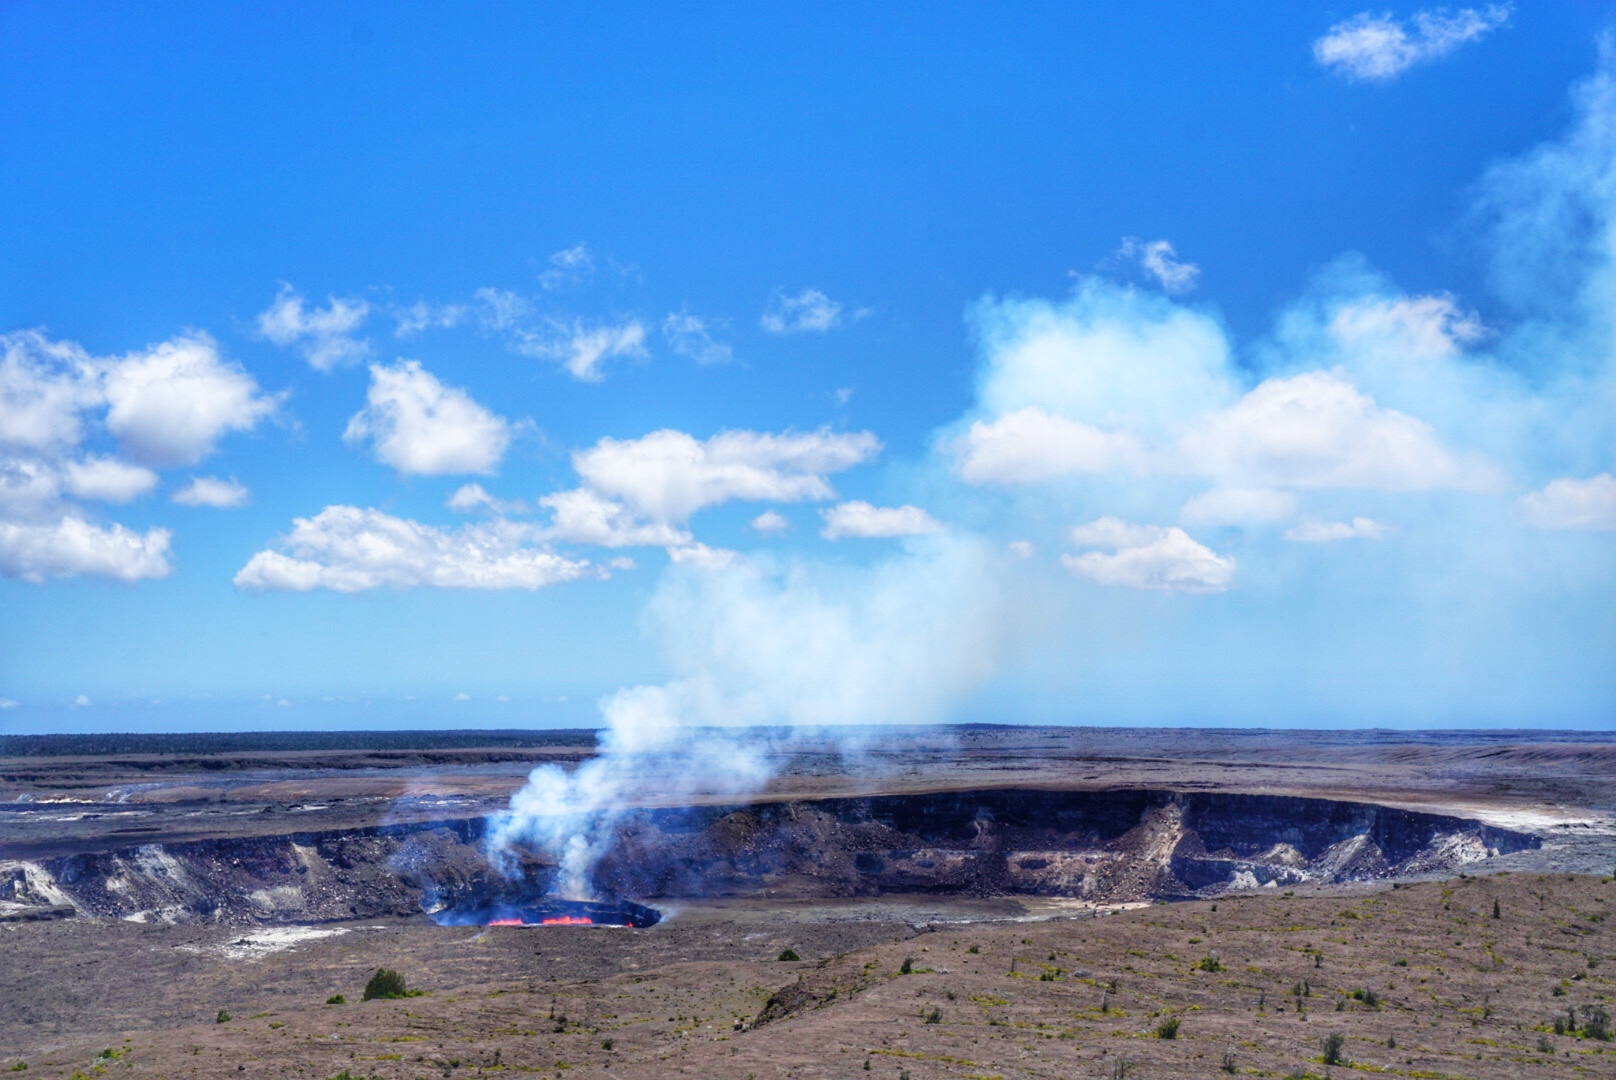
(862, 520)
(809, 312)
(1158, 260)
(582, 348)
(323, 336)
(212, 491)
(422, 428)
(1378, 48)
(568, 266)
(692, 336)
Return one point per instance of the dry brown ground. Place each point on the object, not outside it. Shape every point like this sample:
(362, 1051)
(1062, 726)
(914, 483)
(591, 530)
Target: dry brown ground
(1461, 994)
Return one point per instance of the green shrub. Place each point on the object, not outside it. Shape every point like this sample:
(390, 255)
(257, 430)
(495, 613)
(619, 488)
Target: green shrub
(789, 954)
(336, 999)
(1332, 1045)
(1168, 1028)
(907, 967)
(1368, 997)
(1210, 962)
(387, 984)
(934, 1017)
(222, 1018)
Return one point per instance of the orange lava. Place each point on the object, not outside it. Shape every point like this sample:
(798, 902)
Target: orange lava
(506, 922)
(569, 920)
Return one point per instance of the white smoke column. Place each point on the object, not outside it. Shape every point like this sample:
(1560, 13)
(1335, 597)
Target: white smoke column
(759, 643)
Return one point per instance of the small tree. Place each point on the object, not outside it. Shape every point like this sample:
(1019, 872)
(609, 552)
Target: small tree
(907, 967)
(386, 984)
(1497, 914)
(789, 954)
(1168, 1028)
(1332, 1045)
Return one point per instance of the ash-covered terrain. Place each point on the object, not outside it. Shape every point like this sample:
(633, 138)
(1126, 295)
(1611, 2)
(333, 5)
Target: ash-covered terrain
(142, 892)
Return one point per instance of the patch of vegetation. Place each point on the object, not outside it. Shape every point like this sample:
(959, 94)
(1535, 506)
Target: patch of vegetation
(387, 985)
(222, 1018)
(907, 967)
(1168, 1028)
(1210, 962)
(788, 954)
(1367, 996)
(1332, 1045)
(336, 999)
(935, 1016)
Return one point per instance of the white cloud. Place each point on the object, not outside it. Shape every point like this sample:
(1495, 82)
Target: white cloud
(702, 557)
(581, 348)
(690, 335)
(1426, 326)
(583, 517)
(44, 386)
(81, 701)
(462, 696)
(71, 546)
(107, 479)
(1021, 549)
(421, 427)
(170, 404)
(421, 316)
(28, 489)
(568, 267)
(860, 519)
(1158, 259)
(7, 703)
(324, 337)
(669, 475)
(1029, 445)
(1239, 506)
(212, 491)
(501, 309)
(770, 523)
(1147, 557)
(1378, 48)
(1114, 358)
(1317, 532)
(1569, 503)
(470, 497)
(346, 549)
(810, 311)
(1317, 430)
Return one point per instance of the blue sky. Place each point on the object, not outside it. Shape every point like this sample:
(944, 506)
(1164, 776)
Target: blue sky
(843, 365)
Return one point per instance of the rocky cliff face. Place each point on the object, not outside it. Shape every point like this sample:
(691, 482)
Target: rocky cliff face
(1100, 846)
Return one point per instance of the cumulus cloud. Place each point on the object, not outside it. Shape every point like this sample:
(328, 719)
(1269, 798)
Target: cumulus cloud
(810, 311)
(1317, 430)
(1378, 48)
(1567, 503)
(584, 517)
(1147, 557)
(770, 523)
(44, 387)
(322, 336)
(702, 557)
(669, 475)
(860, 519)
(1426, 326)
(582, 348)
(1316, 532)
(107, 479)
(1158, 260)
(421, 427)
(212, 491)
(172, 403)
(348, 549)
(471, 497)
(1029, 445)
(1239, 506)
(72, 546)
(692, 336)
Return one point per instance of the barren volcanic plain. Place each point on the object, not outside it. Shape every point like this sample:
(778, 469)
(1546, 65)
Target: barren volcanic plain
(966, 902)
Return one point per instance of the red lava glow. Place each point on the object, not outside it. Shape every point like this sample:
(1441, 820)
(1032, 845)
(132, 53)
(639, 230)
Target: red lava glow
(506, 922)
(567, 920)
